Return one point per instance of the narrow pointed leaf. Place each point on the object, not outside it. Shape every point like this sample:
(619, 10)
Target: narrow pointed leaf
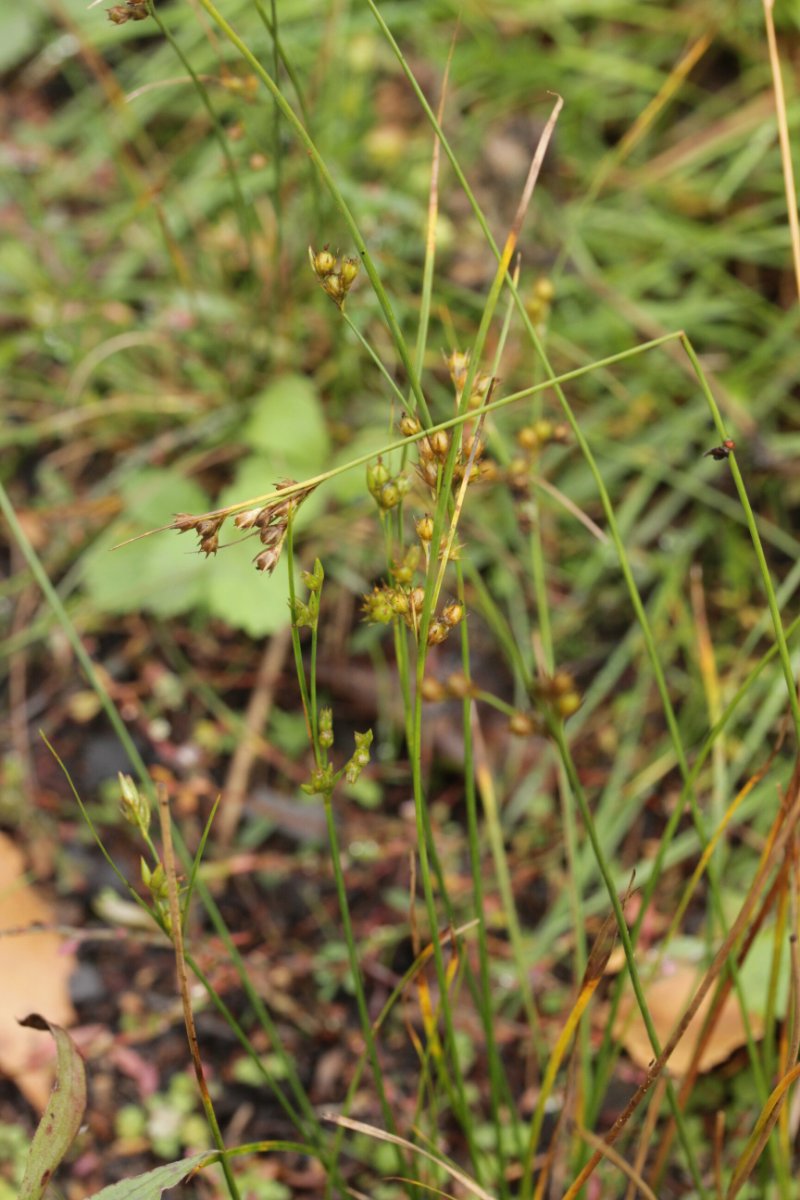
(62, 1118)
(153, 1184)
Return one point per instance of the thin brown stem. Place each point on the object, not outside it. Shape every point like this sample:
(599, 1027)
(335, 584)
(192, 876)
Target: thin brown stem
(176, 934)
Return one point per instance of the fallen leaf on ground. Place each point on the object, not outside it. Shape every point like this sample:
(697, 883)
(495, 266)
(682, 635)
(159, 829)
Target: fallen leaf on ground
(667, 997)
(35, 971)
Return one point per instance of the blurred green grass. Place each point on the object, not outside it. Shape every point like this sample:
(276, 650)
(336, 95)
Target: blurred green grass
(141, 331)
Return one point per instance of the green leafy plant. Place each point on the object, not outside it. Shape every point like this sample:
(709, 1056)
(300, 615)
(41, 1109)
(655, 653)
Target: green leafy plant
(545, 493)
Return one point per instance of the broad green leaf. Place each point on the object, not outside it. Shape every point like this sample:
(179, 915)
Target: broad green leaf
(153, 497)
(351, 487)
(244, 597)
(62, 1118)
(164, 573)
(153, 1184)
(287, 422)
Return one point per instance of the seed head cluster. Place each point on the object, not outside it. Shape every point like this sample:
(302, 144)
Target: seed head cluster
(132, 10)
(270, 522)
(404, 600)
(387, 603)
(554, 697)
(531, 440)
(387, 490)
(540, 301)
(559, 693)
(336, 276)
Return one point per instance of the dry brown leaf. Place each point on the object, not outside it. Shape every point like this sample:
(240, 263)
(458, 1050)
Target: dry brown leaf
(35, 971)
(667, 997)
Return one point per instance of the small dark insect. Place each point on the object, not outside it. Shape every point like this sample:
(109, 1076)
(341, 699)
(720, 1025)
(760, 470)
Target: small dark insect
(720, 452)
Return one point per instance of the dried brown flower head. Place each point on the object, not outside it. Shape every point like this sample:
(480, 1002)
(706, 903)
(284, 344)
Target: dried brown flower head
(271, 521)
(132, 10)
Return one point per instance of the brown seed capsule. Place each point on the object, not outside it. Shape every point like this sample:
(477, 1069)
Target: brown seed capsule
(519, 475)
(270, 535)
(348, 272)
(440, 444)
(523, 724)
(459, 686)
(208, 525)
(437, 633)
(184, 521)
(527, 438)
(267, 560)
(409, 425)
(332, 284)
(247, 519)
(424, 528)
(452, 614)
(452, 553)
(561, 683)
(263, 517)
(432, 690)
(458, 364)
(417, 598)
(322, 261)
(398, 601)
(428, 472)
(472, 447)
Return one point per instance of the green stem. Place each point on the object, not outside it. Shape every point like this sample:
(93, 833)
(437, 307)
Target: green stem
(309, 709)
(377, 361)
(451, 423)
(355, 971)
(772, 600)
(424, 838)
(485, 993)
(557, 732)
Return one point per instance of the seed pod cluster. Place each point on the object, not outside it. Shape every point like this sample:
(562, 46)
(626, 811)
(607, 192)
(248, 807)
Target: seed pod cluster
(336, 276)
(434, 449)
(132, 10)
(206, 526)
(387, 490)
(558, 692)
(271, 522)
(531, 439)
(481, 387)
(524, 724)
(540, 301)
(458, 687)
(387, 603)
